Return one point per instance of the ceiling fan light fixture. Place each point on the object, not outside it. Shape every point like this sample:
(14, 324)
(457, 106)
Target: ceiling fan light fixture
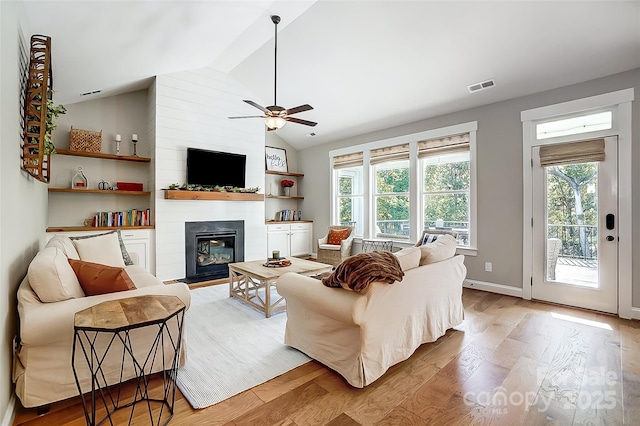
(275, 122)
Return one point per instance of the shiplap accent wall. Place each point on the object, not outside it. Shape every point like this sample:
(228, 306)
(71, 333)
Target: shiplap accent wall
(191, 110)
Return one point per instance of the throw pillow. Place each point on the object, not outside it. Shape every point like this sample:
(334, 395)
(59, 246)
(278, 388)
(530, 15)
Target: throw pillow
(408, 257)
(107, 249)
(100, 279)
(430, 235)
(442, 248)
(429, 238)
(337, 235)
(65, 244)
(52, 278)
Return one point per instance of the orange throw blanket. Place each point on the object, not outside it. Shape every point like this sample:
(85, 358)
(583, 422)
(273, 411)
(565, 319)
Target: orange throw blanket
(356, 272)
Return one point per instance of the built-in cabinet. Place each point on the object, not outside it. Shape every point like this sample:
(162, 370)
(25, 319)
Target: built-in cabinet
(69, 207)
(290, 239)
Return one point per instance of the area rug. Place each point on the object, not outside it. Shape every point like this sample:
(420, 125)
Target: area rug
(231, 347)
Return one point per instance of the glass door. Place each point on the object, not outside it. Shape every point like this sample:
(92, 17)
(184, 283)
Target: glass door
(575, 237)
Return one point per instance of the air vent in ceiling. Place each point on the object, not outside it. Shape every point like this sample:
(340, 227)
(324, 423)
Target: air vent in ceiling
(481, 86)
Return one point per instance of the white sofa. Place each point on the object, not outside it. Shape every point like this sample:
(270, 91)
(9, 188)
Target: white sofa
(361, 335)
(42, 370)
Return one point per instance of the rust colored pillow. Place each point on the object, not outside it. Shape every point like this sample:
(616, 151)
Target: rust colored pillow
(337, 235)
(95, 278)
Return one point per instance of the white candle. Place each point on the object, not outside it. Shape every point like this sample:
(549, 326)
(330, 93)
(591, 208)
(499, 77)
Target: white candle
(134, 137)
(118, 138)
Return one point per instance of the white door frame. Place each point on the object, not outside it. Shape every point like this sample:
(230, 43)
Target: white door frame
(620, 103)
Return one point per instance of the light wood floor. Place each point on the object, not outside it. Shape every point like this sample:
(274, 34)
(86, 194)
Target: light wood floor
(511, 362)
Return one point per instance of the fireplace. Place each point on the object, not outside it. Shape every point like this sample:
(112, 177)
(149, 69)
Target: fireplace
(210, 247)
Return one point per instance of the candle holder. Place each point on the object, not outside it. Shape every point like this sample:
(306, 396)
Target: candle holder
(134, 141)
(118, 140)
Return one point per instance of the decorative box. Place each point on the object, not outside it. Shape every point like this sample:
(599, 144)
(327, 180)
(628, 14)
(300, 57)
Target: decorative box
(129, 186)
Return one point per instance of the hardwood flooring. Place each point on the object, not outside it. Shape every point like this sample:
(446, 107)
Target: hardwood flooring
(511, 362)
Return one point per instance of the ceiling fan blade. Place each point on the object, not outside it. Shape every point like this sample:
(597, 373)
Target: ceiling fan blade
(301, 108)
(299, 121)
(249, 116)
(261, 108)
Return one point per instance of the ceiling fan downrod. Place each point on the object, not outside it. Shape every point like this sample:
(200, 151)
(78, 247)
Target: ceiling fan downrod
(276, 20)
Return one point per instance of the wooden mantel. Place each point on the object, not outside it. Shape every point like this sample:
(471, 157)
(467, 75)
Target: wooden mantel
(178, 194)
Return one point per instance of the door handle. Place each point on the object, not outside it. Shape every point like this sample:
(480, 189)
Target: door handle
(610, 221)
(610, 238)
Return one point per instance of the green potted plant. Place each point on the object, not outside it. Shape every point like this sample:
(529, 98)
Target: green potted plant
(53, 112)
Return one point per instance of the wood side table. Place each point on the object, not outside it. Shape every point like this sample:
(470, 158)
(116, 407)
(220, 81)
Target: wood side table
(116, 319)
(251, 282)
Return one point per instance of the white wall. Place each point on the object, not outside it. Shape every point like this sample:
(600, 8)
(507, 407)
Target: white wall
(23, 210)
(191, 110)
(499, 165)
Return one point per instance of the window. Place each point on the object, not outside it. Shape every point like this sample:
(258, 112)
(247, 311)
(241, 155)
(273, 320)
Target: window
(348, 171)
(574, 125)
(445, 194)
(446, 184)
(391, 194)
(396, 188)
(350, 198)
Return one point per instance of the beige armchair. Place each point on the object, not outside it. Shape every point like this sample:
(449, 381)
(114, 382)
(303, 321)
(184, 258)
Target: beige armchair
(334, 254)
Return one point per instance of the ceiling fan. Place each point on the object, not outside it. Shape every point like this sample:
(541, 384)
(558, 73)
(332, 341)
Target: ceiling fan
(276, 116)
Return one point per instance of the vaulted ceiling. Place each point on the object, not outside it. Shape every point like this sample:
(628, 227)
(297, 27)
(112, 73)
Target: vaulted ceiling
(363, 65)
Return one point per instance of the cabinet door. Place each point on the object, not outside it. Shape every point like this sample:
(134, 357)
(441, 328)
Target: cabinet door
(300, 239)
(137, 241)
(278, 239)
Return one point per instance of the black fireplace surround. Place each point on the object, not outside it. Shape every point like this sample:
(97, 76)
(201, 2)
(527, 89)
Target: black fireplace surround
(209, 248)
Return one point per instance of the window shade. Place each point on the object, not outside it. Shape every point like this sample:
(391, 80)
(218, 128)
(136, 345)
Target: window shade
(443, 145)
(391, 153)
(348, 160)
(572, 153)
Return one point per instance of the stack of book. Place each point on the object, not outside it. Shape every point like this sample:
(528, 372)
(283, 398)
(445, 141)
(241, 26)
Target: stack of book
(133, 217)
(284, 215)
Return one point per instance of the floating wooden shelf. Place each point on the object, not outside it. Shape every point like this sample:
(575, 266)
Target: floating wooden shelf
(285, 197)
(273, 172)
(102, 155)
(99, 191)
(93, 228)
(177, 194)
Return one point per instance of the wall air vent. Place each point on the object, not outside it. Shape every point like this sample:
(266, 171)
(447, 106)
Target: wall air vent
(481, 86)
(90, 93)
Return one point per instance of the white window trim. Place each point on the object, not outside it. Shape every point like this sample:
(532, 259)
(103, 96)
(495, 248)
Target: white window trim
(412, 139)
(620, 103)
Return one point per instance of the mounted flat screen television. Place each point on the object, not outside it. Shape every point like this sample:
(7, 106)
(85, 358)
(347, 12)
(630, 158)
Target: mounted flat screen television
(215, 168)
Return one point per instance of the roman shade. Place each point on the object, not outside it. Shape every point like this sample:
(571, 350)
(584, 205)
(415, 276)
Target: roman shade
(446, 145)
(348, 160)
(572, 153)
(390, 153)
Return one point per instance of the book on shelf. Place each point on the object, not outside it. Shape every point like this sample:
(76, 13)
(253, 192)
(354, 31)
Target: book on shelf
(285, 215)
(133, 217)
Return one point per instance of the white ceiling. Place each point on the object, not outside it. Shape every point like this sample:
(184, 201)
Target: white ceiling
(363, 65)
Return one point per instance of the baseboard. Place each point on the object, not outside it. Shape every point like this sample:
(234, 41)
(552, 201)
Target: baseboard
(7, 420)
(493, 288)
(635, 313)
